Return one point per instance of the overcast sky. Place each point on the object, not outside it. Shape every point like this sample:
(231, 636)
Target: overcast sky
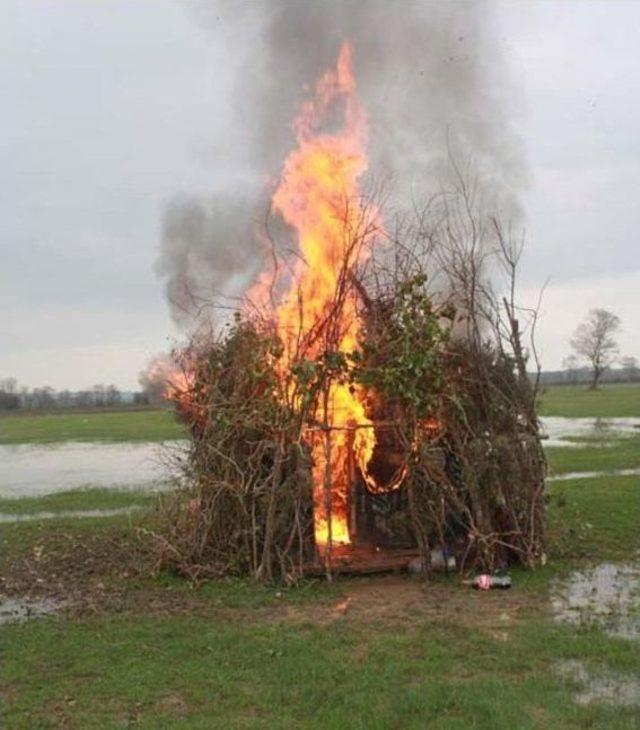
(110, 109)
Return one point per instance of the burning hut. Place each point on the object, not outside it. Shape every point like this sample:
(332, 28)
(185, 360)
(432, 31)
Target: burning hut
(370, 404)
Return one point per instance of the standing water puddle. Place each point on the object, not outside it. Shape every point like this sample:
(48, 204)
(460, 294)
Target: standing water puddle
(28, 470)
(597, 431)
(22, 609)
(607, 596)
(591, 474)
(76, 514)
(612, 688)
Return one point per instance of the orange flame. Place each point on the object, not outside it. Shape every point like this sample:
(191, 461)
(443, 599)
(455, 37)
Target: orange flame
(319, 197)
(174, 383)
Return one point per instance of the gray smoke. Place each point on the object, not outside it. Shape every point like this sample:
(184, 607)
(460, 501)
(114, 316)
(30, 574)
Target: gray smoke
(207, 245)
(428, 73)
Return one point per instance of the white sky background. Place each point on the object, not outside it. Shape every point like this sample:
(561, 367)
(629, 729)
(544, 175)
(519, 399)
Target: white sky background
(110, 109)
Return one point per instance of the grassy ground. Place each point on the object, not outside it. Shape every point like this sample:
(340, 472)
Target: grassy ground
(615, 400)
(380, 652)
(198, 673)
(158, 425)
(623, 453)
(368, 653)
(596, 519)
(77, 499)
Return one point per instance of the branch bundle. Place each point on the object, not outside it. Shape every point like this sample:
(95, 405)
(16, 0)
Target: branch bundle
(442, 355)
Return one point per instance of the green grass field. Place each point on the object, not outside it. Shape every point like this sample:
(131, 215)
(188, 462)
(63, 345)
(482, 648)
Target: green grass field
(574, 401)
(160, 425)
(376, 652)
(623, 453)
(195, 672)
(148, 425)
(77, 499)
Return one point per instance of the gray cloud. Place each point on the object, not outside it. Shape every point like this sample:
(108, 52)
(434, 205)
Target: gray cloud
(112, 109)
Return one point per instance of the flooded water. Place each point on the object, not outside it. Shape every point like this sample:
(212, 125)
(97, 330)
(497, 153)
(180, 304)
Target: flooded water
(611, 688)
(598, 431)
(28, 470)
(22, 609)
(607, 596)
(76, 514)
(591, 474)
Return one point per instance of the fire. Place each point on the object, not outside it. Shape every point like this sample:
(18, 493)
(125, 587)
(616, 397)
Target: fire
(319, 197)
(174, 384)
(317, 311)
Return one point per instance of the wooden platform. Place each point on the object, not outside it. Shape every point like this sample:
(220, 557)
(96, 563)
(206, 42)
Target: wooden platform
(347, 559)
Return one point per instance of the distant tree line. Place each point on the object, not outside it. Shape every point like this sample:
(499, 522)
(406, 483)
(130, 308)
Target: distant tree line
(14, 397)
(575, 373)
(594, 360)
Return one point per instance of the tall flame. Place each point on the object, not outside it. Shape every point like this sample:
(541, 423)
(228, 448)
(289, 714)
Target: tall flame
(319, 197)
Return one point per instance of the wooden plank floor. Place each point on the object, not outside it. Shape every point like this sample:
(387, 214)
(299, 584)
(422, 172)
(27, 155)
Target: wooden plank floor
(358, 560)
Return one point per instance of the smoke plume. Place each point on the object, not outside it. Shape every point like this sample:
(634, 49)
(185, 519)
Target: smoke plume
(429, 74)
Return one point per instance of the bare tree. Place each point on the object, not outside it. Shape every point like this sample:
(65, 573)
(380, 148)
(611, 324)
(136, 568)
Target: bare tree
(112, 396)
(630, 368)
(9, 398)
(9, 385)
(571, 366)
(594, 341)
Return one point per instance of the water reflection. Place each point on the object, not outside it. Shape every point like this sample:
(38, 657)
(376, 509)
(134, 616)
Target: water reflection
(595, 431)
(75, 514)
(607, 595)
(34, 469)
(572, 475)
(21, 609)
(616, 689)
(28, 470)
